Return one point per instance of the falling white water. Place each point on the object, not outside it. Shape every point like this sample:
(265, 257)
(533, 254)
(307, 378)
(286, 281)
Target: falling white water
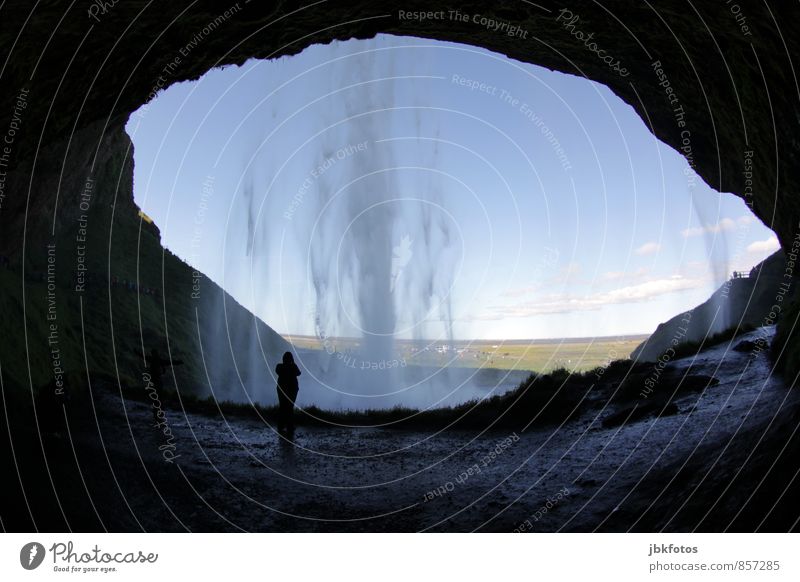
(344, 206)
(381, 249)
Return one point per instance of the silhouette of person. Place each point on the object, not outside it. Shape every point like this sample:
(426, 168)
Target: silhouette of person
(288, 388)
(156, 366)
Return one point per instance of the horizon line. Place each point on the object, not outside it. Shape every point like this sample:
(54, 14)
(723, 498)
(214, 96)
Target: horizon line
(571, 338)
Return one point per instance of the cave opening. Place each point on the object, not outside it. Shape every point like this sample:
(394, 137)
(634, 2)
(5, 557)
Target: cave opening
(482, 203)
(400, 203)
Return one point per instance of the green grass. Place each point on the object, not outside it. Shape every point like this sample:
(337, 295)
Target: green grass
(535, 355)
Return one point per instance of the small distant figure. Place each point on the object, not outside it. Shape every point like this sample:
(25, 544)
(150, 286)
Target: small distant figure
(156, 366)
(288, 388)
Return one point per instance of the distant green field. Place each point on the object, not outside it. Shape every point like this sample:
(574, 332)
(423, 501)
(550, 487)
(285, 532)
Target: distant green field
(536, 355)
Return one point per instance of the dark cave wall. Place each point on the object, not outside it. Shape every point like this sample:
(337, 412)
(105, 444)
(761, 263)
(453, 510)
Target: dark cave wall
(85, 324)
(737, 89)
(86, 73)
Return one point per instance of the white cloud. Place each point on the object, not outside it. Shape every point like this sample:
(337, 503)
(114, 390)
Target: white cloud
(648, 290)
(612, 276)
(635, 275)
(764, 246)
(648, 249)
(563, 303)
(724, 225)
(520, 291)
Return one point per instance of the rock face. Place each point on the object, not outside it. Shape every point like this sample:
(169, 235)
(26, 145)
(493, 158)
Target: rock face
(95, 288)
(741, 302)
(716, 85)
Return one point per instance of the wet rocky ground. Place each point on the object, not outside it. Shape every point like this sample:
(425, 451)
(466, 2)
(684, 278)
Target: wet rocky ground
(706, 458)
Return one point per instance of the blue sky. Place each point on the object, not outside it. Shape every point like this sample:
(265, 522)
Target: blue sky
(565, 216)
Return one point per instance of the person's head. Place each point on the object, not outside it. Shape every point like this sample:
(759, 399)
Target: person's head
(288, 358)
